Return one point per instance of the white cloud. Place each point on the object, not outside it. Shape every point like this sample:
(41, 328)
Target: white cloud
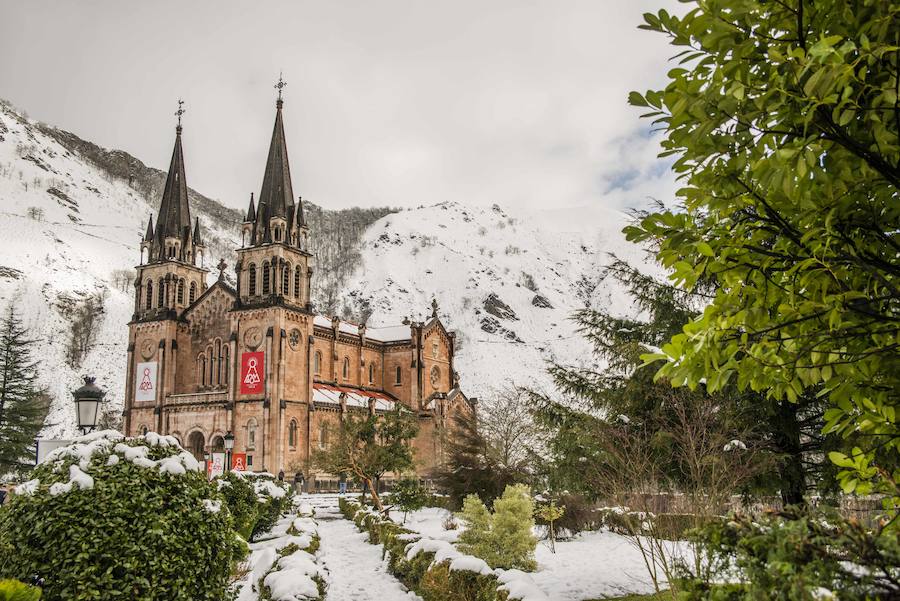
(398, 103)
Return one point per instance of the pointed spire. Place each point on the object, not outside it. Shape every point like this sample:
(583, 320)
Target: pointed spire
(174, 213)
(198, 241)
(251, 211)
(276, 190)
(148, 237)
(301, 217)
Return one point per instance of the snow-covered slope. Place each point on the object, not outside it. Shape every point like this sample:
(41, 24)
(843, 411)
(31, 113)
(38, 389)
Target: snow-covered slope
(507, 281)
(70, 231)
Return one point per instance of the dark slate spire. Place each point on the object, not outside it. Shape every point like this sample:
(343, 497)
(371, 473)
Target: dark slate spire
(251, 211)
(301, 217)
(148, 237)
(197, 240)
(174, 213)
(276, 187)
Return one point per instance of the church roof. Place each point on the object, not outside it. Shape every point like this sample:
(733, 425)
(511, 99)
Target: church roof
(276, 191)
(174, 219)
(251, 210)
(149, 235)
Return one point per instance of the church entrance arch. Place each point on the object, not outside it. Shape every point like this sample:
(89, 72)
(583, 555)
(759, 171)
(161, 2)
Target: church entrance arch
(196, 444)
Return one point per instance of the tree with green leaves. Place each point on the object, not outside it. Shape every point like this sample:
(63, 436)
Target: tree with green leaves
(369, 445)
(23, 404)
(783, 120)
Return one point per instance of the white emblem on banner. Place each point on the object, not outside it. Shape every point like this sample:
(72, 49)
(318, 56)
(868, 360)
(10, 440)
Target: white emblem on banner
(145, 382)
(252, 374)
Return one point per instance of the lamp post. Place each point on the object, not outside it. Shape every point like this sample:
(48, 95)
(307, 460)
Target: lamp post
(87, 401)
(229, 444)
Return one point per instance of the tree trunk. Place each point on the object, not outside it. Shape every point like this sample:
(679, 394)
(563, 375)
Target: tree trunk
(787, 441)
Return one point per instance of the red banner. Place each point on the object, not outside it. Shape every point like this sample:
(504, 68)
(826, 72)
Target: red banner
(253, 372)
(239, 462)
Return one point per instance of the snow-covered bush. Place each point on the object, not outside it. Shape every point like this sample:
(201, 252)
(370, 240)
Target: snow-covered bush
(241, 499)
(272, 499)
(107, 516)
(503, 539)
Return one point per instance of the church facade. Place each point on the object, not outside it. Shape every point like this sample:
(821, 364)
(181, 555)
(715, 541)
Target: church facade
(255, 360)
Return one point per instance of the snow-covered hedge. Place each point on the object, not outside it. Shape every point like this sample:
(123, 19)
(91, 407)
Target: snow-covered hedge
(107, 516)
(285, 564)
(435, 569)
(272, 500)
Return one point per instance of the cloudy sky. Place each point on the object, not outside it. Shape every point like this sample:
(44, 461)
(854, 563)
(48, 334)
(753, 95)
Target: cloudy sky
(394, 102)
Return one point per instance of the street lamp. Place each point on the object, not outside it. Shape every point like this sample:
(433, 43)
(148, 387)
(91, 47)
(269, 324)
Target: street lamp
(229, 444)
(87, 401)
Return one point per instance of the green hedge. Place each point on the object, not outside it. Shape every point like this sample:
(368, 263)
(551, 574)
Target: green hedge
(13, 590)
(108, 517)
(431, 582)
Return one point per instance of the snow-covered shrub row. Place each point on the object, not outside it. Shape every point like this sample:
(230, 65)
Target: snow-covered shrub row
(435, 569)
(669, 526)
(256, 500)
(284, 562)
(107, 514)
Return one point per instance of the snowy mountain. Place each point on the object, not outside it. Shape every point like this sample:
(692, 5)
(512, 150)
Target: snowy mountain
(507, 281)
(72, 214)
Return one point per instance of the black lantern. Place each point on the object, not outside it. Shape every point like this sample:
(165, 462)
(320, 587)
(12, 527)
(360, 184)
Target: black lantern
(229, 444)
(87, 403)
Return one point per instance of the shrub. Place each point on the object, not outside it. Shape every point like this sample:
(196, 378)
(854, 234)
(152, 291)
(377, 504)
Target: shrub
(440, 583)
(511, 532)
(272, 500)
(107, 516)
(408, 495)
(13, 590)
(504, 539)
(241, 499)
(796, 555)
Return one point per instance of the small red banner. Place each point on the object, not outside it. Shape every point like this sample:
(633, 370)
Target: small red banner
(253, 372)
(239, 462)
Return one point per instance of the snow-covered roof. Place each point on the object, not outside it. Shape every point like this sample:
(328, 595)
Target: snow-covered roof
(389, 333)
(385, 334)
(355, 397)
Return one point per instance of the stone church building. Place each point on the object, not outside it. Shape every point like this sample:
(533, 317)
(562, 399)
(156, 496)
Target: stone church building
(256, 360)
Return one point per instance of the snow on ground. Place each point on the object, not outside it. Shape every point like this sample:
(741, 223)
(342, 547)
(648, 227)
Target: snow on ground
(592, 565)
(356, 570)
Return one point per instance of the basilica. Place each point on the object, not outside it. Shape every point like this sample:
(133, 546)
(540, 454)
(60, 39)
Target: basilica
(256, 360)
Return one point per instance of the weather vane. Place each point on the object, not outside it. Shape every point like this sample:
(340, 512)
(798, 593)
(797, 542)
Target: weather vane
(180, 111)
(280, 85)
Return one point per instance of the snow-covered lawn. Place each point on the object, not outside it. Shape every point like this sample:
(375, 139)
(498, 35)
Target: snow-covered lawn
(592, 565)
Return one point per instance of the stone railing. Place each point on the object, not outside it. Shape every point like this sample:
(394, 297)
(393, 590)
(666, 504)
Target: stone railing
(218, 396)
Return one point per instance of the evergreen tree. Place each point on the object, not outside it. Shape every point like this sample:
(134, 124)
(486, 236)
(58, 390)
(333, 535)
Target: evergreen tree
(23, 406)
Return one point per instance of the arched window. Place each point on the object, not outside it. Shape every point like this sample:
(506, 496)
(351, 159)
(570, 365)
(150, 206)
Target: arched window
(201, 366)
(252, 272)
(297, 282)
(399, 375)
(371, 373)
(265, 268)
(292, 433)
(251, 433)
(193, 293)
(317, 363)
(161, 295)
(196, 445)
(286, 280)
(225, 363)
(149, 300)
(323, 435)
(181, 291)
(217, 444)
(435, 376)
(346, 371)
(143, 430)
(212, 364)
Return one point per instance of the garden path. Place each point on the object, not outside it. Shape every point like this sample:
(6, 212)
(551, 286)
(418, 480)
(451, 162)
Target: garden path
(356, 571)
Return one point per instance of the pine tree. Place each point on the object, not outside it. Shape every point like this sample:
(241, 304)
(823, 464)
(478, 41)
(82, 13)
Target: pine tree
(23, 406)
(475, 539)
(511, 534)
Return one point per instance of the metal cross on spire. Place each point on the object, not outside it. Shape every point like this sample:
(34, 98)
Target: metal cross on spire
(280, 85)
(181, 110)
